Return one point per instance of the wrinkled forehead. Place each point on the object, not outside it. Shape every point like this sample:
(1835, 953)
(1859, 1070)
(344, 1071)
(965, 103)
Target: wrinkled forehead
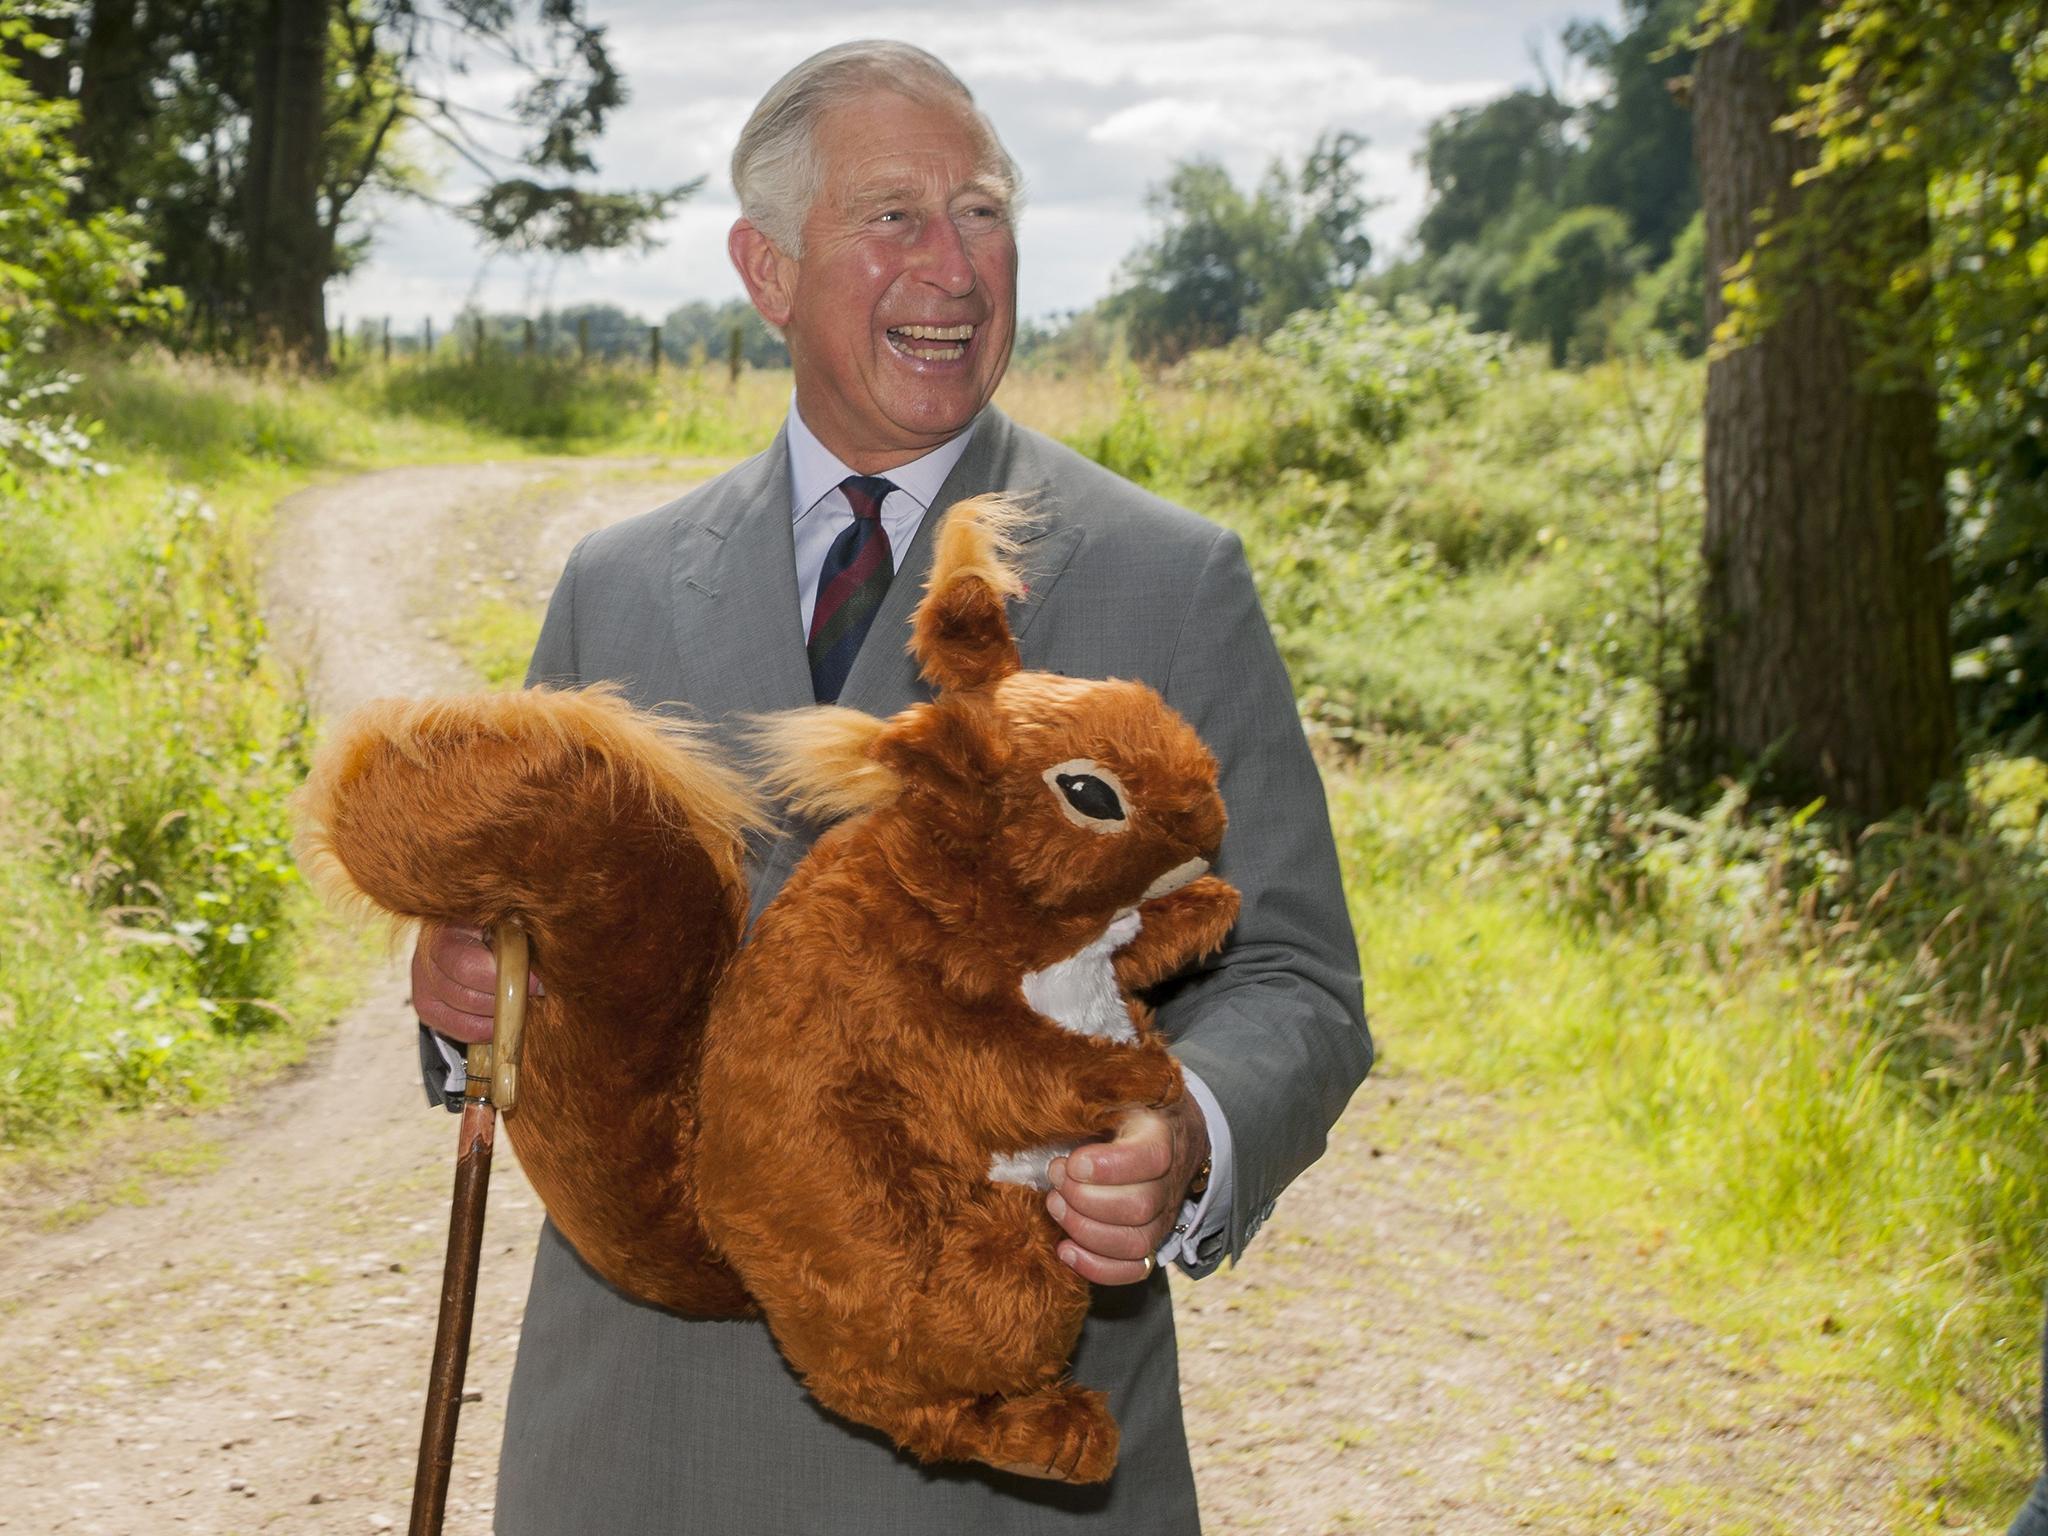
(883, 145)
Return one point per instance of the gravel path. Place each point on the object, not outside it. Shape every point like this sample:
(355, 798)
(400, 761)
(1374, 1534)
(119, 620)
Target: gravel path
(1403, 1350)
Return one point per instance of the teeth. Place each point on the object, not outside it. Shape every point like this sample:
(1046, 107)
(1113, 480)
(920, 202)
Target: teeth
(935, 332)
(1176, 877)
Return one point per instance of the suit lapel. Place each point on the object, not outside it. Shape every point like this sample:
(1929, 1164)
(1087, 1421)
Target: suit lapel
(734, 600)
(885, 677)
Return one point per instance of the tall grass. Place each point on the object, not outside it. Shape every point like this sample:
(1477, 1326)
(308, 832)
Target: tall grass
(146, 750)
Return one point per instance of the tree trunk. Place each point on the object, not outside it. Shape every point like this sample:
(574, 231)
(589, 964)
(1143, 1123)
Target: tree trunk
(114, 70)
(1827, 595)
(289, 252)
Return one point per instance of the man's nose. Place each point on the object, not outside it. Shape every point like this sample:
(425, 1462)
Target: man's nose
(943, 260)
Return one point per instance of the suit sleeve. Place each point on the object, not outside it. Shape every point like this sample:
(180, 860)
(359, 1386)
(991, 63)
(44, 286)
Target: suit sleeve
(1276, 1023)
(554, 654)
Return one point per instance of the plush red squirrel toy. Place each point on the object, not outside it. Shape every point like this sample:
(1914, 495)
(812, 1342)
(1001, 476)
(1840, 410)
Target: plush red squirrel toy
(845, 1124)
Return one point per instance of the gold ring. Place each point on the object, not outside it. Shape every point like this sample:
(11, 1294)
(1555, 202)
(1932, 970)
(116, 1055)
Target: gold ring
(1151, 1263)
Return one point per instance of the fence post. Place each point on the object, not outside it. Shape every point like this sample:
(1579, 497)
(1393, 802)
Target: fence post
(654, 349)
(529, 336)
(340, 337)
(582, 339)
(430, 339)
(387, 341)
(479, 341)
(732, 358)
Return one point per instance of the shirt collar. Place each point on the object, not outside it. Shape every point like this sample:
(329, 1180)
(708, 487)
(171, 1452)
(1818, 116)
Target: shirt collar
(815, 471)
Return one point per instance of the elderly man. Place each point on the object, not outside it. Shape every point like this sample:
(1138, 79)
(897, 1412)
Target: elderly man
(878, 233)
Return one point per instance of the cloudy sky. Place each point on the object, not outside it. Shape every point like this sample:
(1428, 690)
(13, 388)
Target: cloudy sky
(1096, 99)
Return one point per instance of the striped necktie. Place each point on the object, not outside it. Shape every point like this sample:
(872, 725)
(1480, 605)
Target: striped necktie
(851, 582)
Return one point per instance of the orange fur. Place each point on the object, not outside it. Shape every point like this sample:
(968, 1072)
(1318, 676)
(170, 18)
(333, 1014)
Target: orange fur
(820, 762)
(618, 845)
(821, 1130)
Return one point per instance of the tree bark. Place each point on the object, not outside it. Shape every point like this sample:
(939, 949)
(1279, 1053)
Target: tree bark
(114, 68)
(289, 250)
(1828, 585)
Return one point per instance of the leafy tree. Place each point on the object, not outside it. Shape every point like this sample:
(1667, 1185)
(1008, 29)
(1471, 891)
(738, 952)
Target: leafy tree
(1481, 161)
(1672, 299)
(1635, 139)
(1502, 174)
(244, 132)
(1582, 259)
(58, 269)
(1227, 263)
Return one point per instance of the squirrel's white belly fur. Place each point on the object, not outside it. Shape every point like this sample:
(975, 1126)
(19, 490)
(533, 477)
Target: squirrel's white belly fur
(1079, 994)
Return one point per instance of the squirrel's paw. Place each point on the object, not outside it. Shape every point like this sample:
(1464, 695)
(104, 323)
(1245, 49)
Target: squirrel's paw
(1064, 1434)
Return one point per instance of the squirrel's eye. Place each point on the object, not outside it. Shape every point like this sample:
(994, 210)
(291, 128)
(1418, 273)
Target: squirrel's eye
(1090, 796)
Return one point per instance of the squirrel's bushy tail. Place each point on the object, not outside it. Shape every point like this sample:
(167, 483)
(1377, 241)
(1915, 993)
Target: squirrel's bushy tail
(618, 843)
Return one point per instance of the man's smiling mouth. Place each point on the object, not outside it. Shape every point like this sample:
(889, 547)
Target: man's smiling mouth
(931, 343)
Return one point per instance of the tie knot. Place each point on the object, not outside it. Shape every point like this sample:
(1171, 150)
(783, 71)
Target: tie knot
(866, 493)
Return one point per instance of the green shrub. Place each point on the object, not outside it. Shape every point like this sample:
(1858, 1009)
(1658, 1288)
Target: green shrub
(1564, 278)
(1392, 369)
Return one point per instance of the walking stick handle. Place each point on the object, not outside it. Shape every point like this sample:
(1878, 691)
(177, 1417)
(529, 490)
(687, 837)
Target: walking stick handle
(509, 1029)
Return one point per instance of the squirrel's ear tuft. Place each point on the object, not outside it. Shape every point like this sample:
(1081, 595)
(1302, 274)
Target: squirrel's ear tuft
(821, 762)
(961, 635)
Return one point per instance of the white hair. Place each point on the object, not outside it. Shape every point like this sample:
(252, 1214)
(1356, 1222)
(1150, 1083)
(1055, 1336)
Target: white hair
(775, 166)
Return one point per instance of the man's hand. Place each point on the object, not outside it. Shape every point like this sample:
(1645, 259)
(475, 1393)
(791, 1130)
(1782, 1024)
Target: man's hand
(455, 982)
(1119, 1199)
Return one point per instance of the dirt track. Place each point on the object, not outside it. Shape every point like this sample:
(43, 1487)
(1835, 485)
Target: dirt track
(1401, 1352)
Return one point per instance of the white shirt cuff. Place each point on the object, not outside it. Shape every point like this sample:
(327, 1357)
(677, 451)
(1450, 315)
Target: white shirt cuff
(1201, 1220)
(449, 1058)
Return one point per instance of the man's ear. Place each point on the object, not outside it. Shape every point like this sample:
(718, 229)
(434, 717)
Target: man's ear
(769, 274)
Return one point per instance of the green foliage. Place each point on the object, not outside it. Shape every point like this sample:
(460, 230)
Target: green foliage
(146, 756)
(538, 399)
(58, 271)
(1671, 300)
(1565, 278)
(1226, 263)
(1483, 160)
(520, 214)
(1635, 141)
(1326, 394)
(1390, 368)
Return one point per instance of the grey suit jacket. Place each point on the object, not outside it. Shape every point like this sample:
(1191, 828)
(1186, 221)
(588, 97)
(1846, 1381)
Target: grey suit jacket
(627, 1421)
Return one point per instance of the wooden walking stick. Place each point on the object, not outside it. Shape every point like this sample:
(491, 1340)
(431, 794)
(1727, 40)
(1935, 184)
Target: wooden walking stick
(491, 1086)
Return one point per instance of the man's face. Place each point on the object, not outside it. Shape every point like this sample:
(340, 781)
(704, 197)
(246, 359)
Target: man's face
(901, 311)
